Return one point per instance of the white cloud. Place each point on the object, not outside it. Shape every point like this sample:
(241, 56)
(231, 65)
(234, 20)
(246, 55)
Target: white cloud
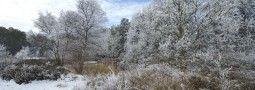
(21, 13)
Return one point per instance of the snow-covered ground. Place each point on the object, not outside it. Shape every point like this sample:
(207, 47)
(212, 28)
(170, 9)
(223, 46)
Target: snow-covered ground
(68, 82)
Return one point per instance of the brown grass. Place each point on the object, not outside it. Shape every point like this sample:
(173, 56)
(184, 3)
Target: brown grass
(153, 79)
(95, 69)
(147, 82)
(99, 68)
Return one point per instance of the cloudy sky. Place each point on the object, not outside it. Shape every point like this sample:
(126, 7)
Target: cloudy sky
(21, 13)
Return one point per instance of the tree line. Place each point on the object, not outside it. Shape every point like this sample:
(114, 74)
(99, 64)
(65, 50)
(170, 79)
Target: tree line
(179, 32)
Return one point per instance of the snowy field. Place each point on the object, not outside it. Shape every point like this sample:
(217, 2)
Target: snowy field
(68, 82)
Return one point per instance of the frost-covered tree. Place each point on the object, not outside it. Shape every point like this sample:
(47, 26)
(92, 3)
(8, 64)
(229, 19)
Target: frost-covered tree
(3, 53)
(92, 18)
(79, 25)
(177, 30)
(224, 35)
(4, 58)
(40, 45)
(102, 43)
(166, 28)
(73, 30)
(118, 38)
(246, 31)
(48, 24)
(23, 53)
(82, 26)
(246, 10)
(190, 34)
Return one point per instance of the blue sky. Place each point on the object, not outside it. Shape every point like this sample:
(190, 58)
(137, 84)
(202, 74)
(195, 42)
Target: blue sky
(118, 9)
(21, 13)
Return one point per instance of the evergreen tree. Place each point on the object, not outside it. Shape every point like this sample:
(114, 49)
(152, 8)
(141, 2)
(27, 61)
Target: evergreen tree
(118, 38)
(13, 39)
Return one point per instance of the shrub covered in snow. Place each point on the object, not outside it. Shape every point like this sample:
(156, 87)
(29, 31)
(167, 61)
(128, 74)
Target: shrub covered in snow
(5, 59)
(3, 52)
(27, 73)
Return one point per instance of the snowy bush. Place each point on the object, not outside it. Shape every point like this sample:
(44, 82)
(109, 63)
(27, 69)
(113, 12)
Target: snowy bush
(27, 73)
(5, 59)
(4, 54)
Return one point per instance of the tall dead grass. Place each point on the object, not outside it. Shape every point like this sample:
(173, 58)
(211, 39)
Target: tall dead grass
(93, 69)
(152, 77)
